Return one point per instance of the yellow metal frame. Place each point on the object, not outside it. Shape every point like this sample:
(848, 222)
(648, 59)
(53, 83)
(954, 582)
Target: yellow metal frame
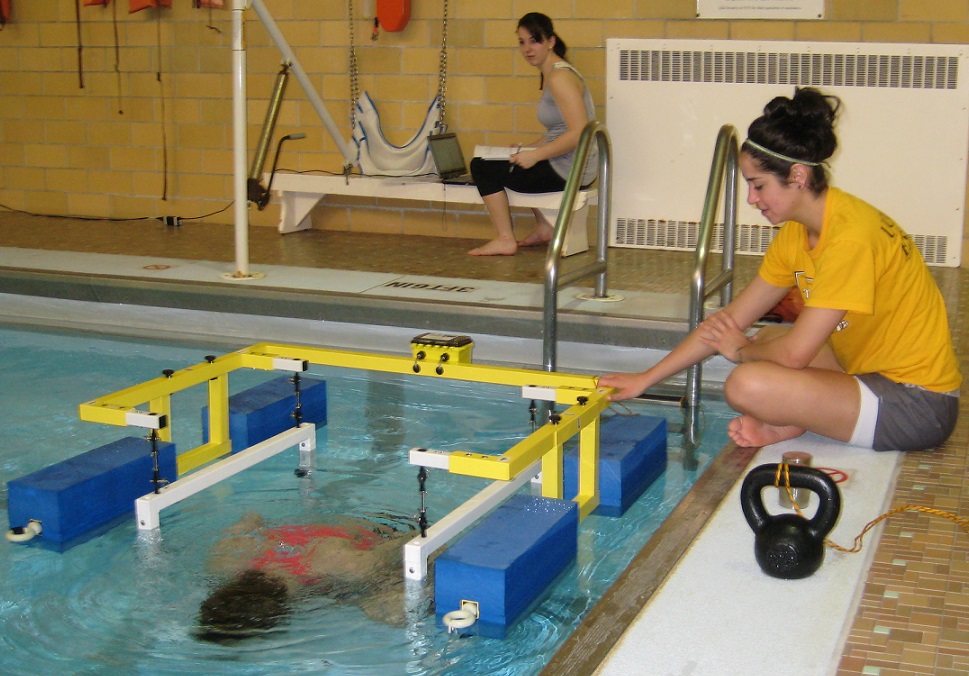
(579, 393)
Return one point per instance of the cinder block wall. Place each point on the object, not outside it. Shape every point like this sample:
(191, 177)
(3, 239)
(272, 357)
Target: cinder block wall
(150, 131)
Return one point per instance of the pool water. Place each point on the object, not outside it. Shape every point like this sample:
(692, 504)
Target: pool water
(127, 602)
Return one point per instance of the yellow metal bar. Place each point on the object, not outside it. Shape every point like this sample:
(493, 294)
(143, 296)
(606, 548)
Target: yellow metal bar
(584, 400)
(553, 478)
(533, 447)
(108, 414)
(587, 504)
(200, 455)
(219, 410)
(479, 373)
(510, 464)
(111, 408)
(588, 494)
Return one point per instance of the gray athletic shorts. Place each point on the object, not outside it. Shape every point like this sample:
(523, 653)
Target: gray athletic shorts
(901, 417)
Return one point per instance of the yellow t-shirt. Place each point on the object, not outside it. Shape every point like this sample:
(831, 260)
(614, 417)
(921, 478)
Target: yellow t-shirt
(864, 263)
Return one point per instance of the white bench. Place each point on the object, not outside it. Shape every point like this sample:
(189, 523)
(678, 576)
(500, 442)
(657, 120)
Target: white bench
(300, 193)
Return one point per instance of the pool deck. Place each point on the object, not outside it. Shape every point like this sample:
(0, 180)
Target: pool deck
(686, 605)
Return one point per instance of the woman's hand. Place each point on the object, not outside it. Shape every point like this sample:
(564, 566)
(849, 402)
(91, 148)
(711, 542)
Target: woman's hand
(526, 159)
(627, 385)
(723, 334)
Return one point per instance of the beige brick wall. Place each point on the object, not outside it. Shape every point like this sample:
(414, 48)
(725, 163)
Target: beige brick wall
(150, 133)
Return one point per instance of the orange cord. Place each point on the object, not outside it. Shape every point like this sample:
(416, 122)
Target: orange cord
(784, 473)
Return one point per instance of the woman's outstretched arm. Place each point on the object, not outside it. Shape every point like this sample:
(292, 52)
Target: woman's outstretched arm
(752, 303)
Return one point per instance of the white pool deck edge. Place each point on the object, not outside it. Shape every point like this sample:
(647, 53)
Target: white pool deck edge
(718, 613)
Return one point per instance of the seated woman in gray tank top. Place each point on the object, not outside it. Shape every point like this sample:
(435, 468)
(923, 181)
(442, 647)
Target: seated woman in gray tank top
(565, 108)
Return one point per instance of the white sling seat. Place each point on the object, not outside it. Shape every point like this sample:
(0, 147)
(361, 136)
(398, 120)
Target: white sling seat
(378, 157)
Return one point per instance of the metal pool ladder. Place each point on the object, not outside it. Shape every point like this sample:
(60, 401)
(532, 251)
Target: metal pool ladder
(724, 164)
(594, 130)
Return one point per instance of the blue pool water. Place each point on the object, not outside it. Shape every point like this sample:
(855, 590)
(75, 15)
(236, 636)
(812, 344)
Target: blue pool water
(126, 602)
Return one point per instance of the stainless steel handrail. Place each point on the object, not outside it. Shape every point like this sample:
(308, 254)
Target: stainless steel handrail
(593, 130)
(724, 163)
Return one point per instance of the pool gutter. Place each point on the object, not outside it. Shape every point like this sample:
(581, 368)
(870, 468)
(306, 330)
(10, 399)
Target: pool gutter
(427, 314)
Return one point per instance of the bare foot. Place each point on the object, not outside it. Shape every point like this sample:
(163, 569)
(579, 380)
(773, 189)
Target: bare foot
(496, 247)
(752, 433)
(542, 234)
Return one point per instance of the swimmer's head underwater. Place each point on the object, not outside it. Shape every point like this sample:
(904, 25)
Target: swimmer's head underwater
(250, 604)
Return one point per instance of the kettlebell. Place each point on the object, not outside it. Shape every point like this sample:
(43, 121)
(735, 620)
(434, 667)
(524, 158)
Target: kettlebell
(789, 546)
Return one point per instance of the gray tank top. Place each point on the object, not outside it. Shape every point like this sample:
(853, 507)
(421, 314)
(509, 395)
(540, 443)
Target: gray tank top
(551, 118)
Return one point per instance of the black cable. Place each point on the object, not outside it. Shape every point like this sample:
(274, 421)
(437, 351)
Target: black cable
(211, 213)
(110, 218)
(77, 218)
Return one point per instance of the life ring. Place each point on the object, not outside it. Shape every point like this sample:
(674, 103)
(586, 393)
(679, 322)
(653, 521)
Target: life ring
(459, 619)
(28, 532)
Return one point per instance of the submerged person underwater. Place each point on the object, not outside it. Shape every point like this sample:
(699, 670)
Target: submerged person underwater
(352, 561)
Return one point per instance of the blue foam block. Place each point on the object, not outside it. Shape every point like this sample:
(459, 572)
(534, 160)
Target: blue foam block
(632, 455)
(266, 410)
(507, 561)
(78, 495)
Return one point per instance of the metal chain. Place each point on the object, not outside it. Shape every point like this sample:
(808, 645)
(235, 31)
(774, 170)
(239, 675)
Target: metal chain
(422, 487)
(355, 81)
(442, 71)
(352, 67)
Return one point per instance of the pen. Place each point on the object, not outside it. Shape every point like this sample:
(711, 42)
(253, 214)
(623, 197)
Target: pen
(512, 167)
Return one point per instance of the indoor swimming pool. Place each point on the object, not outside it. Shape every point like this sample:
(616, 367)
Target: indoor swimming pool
(125, 602)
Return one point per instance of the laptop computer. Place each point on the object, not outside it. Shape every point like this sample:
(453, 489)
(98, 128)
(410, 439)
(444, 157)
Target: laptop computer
(448, 159)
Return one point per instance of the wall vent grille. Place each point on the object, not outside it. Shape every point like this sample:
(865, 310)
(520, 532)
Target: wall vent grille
(906, 71)
(751, 238)
(903, 129)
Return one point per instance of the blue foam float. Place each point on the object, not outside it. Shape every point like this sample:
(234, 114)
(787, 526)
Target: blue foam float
(632, 455)
(506, 563)
(265, 410)
(76, 498)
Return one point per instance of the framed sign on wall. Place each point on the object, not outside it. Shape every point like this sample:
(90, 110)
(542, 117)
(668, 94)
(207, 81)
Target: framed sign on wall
(760, 9)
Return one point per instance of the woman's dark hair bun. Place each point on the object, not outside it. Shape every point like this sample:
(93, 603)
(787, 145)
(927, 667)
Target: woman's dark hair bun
(800, 127)
(808, 108)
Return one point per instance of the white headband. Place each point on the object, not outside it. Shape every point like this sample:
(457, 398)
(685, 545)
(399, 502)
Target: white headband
(786, 158)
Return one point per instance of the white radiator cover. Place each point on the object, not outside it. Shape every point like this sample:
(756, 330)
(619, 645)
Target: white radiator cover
(903, 132)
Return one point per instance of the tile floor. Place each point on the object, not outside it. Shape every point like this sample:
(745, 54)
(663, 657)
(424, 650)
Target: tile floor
(913, 616)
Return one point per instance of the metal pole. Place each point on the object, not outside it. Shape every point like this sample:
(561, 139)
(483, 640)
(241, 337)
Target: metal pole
(593, 132)
(724, 161)
(239, 121)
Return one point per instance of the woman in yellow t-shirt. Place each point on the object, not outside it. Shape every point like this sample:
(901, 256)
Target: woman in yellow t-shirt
(869, 359)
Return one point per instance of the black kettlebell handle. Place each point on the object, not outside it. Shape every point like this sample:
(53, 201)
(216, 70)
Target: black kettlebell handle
(801, 477)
